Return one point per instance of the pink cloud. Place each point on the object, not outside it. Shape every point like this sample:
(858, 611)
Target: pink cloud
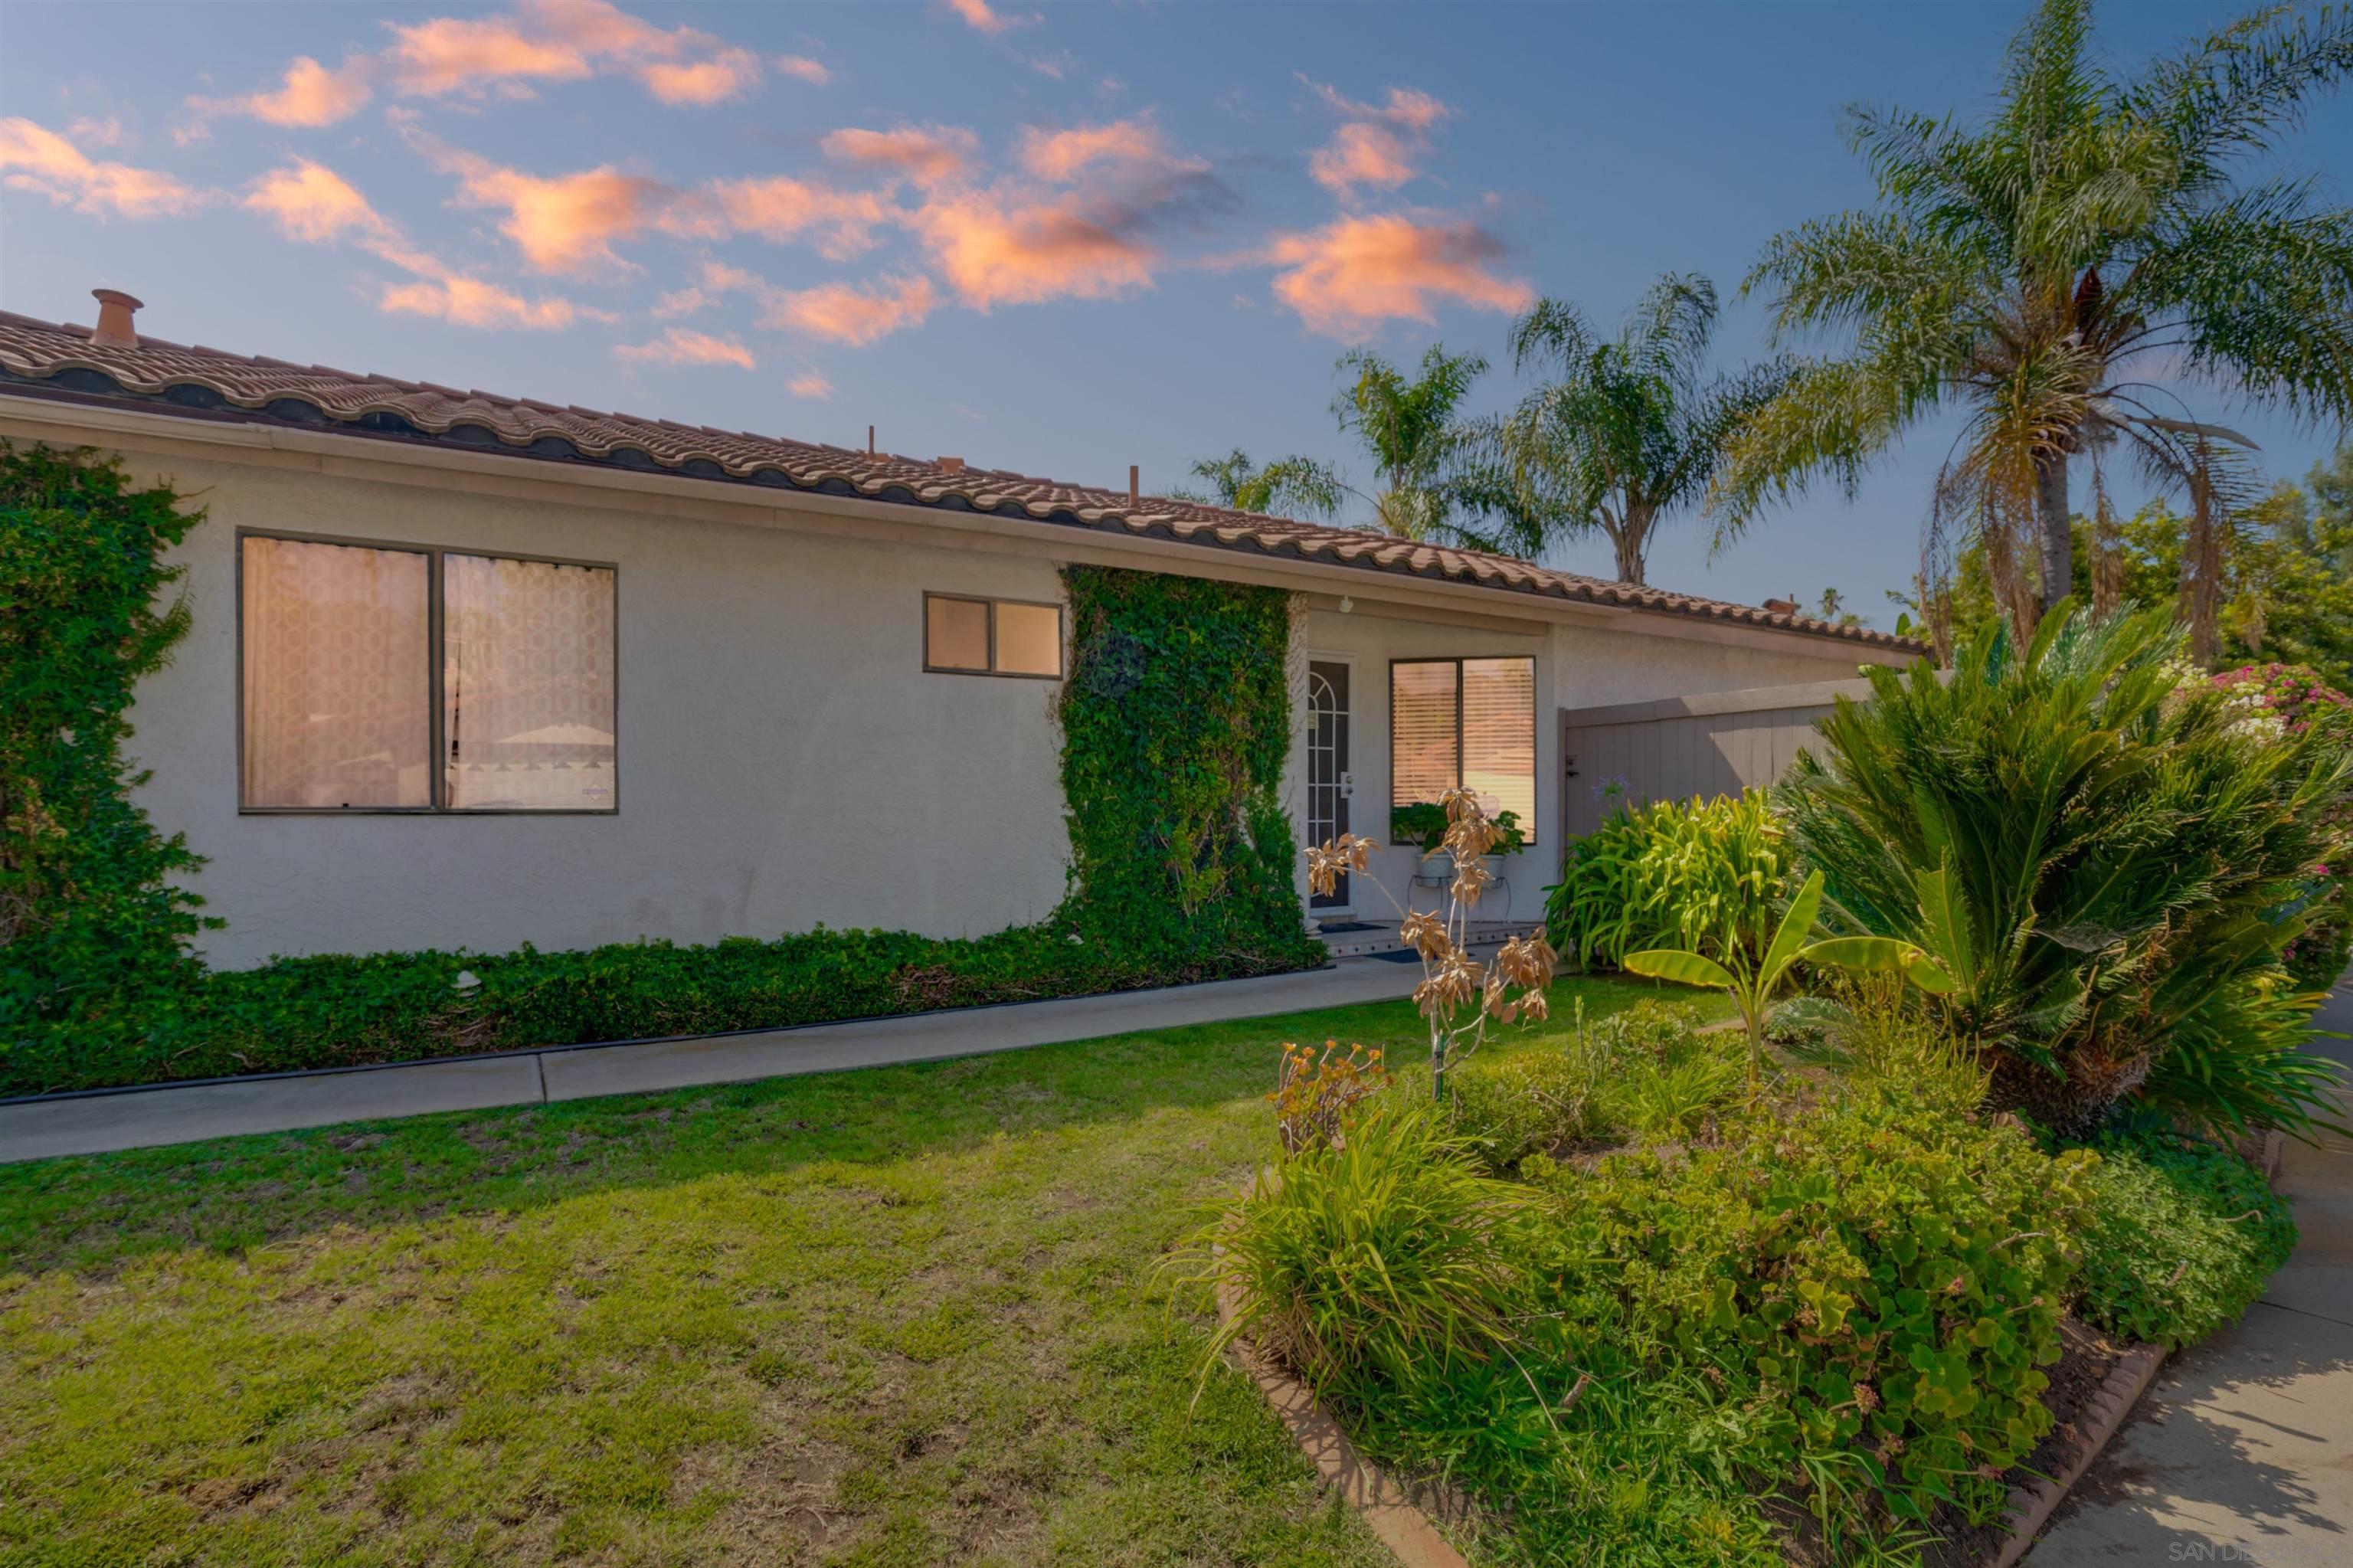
(564, 224)
(779, 208)
(1376, 146)
(43, 162)
(1414, 110)
(309, 95)
(981, 17)
(928, 155)
(712, 81)
(567, 40)
(810, 385)
(994, 251)
(310, 202)
(1062, 155)
(447, 54)
(844, 313)
(470, 302)
(680, 302)
(91, 133)
(1349, 276)
(1361, 153)
(681, 345)
(811, 72)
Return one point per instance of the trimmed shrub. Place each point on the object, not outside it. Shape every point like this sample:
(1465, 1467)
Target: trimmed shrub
(2182, 1236)
(1691, 874)
(335, 1010)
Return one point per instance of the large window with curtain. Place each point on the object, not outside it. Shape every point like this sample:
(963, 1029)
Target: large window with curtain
(395, 678)
(1465, 723)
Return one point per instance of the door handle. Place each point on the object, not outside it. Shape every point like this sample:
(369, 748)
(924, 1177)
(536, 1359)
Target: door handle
(1348, 786)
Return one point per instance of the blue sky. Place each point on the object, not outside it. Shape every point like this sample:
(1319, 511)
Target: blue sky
(1060, 238)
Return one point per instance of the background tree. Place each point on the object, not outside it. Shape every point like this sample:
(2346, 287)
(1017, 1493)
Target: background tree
(1288, 486)
(2033, 270)
(1410, 429)
(1629, 429)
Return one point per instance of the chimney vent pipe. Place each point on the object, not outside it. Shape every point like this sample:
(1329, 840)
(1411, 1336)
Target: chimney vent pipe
(1134, 486)
(115, 312)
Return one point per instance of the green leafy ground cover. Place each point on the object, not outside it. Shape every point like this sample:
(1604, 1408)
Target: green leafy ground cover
(907, 1315)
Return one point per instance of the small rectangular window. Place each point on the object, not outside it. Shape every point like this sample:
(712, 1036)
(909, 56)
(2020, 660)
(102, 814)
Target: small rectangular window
(1465, 721)
(956, 633)
(992, 636)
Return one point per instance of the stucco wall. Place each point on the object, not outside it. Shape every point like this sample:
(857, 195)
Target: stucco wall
(784, 759)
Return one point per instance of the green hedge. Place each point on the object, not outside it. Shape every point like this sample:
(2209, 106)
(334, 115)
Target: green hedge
(1175, 724)
(392, 1007)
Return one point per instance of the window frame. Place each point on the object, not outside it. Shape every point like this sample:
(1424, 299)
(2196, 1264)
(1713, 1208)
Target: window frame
(1536, 768)
(436, 697)
(1061, 637)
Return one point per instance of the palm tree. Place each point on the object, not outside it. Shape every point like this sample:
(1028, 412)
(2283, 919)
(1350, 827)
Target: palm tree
(1631, 430)
(1296, 486)
(2038, 270)
(1410, 429)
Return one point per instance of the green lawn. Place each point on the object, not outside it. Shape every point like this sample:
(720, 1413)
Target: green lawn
(905, 1314)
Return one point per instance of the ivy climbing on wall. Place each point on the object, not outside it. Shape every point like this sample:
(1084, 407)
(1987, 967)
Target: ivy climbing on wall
(1176, 724)
(93, 929)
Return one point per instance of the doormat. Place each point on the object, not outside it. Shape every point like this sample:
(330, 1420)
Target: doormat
(1402, 955)
(1332, 927)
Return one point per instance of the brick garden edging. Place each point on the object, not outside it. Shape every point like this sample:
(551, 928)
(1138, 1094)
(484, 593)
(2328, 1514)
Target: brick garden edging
(1393, 1508)
(2032, 1505)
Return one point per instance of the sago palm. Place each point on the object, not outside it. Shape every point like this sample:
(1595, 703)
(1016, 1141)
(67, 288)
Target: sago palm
(1630, 428)
(2050, 270)
(2102, 863)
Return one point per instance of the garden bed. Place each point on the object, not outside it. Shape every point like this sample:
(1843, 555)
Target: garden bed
(1824, 1321)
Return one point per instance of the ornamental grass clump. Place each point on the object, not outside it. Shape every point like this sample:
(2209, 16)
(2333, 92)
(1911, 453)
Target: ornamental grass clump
(1458, 995)
(1374, 1261)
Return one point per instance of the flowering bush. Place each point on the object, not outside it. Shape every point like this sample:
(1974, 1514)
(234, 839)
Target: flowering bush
(2293, 693)
(1315, 1093)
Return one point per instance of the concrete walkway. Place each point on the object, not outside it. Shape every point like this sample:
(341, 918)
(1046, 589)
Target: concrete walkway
(2241, 1452)
(183, 1113)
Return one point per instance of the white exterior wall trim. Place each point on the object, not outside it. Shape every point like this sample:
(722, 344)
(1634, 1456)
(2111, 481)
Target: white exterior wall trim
(442, 467)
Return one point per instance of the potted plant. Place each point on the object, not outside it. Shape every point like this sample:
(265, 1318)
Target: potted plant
(1424, 823)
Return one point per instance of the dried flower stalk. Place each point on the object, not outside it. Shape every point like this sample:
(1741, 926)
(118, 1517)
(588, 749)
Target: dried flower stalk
(1458, 995)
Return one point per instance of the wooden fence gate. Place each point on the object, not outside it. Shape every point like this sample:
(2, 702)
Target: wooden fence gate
(1718, 743)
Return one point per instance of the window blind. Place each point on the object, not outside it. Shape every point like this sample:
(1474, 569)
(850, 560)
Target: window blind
(1424, 731)
(1468, 722)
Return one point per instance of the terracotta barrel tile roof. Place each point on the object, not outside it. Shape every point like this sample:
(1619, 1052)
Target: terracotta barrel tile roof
(38, 356)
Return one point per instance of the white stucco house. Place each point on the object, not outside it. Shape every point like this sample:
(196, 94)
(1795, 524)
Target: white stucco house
(471, 671)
